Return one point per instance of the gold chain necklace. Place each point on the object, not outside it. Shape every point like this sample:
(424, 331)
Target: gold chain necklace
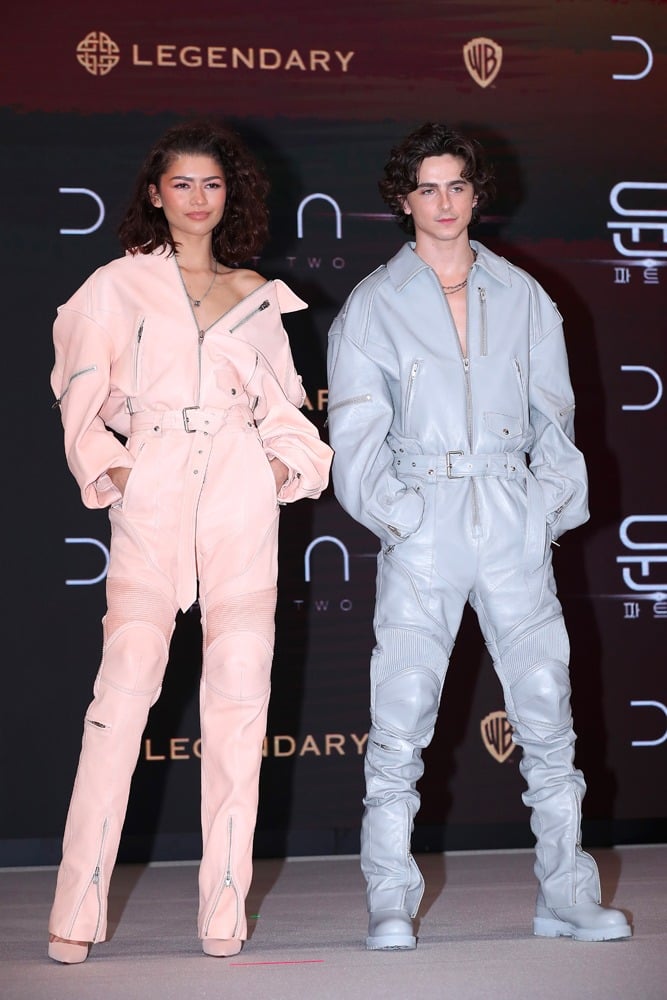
(450, 289)
(197, 302)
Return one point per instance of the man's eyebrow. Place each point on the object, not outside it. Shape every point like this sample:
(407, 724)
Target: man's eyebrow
(459, 180)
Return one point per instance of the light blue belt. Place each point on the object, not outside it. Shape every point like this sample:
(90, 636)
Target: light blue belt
(458, 464)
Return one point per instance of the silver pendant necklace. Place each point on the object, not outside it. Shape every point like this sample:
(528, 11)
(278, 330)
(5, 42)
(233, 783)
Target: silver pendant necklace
(197, 302)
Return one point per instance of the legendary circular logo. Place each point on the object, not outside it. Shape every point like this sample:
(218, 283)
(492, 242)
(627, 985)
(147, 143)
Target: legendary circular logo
(97, 53)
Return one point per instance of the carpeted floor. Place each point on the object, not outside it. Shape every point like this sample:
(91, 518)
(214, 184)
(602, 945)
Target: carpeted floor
(307, 928)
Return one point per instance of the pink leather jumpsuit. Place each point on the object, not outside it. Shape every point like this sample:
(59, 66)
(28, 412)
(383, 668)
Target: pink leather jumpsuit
(203, 412)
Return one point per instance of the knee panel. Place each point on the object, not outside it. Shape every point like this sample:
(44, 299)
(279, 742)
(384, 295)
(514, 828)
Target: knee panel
(135, 658)
(407, 674)
(542, 698)
(238, 645)
(137, 631)
(548, 642)
(535, 676)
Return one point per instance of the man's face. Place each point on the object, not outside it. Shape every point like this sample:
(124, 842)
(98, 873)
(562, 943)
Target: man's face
(441, 205)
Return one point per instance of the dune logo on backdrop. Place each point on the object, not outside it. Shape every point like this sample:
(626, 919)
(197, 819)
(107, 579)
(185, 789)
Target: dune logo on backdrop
(97, 53)
(482, 58)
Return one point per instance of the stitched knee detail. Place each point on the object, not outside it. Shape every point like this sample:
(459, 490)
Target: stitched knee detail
(238, 647)
(130, 602)
(547, 643)
(407, 704)
(407, 674)
(542, 699)
(242, 613)
(137, 631)
(135, 658)
(239, 666)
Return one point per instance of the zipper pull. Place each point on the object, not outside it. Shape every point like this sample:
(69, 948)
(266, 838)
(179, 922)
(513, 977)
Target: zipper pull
(202, 334)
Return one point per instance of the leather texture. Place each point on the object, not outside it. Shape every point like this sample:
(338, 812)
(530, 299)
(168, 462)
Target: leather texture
(583, 922)
(198, 519)
(396, 370)
(467, 470)
(390, 930)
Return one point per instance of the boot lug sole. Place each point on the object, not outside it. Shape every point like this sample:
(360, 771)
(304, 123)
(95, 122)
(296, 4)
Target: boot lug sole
(546, 927)
(391, 942)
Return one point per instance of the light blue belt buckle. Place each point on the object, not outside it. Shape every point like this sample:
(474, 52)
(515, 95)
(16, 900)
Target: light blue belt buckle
(458, 454)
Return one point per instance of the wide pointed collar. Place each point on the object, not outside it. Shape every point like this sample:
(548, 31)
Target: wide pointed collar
(406, 265)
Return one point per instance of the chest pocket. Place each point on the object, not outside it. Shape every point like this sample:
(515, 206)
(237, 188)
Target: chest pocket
(503, 426)
(228, 381)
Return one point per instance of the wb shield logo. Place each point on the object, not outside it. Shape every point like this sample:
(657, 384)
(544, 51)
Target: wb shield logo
(482, 58)
(497, 735)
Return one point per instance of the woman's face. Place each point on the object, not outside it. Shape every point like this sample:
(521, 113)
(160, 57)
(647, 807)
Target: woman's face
(192, 193)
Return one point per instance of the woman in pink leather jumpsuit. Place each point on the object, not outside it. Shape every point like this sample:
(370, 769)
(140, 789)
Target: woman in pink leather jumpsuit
(182, 353)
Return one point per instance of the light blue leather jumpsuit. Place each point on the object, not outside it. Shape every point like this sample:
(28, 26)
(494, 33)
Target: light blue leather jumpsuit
(466, 469)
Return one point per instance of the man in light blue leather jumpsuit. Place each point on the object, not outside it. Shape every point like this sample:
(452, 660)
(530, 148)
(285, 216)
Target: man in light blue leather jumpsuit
(451, 415)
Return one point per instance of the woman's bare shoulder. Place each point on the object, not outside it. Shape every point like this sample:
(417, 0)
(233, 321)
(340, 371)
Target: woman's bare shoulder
(244, 281)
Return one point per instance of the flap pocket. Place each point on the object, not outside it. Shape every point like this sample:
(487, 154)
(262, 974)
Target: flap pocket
(503, 425)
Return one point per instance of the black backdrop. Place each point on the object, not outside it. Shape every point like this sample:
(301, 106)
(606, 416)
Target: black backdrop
(569, 100)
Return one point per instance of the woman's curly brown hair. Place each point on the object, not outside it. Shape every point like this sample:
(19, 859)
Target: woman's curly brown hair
(433, 139)
(243, 229)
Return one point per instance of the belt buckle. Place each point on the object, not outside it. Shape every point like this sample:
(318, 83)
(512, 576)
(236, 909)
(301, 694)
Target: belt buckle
(448, 457)
(186, 419)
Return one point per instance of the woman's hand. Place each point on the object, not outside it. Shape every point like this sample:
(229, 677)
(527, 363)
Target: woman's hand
(280, 473)
(119, 478)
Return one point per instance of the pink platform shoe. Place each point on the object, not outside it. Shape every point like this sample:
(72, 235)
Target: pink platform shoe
(68, 952)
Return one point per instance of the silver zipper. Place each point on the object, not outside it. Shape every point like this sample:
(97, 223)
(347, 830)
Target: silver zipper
(82, 371)
(137, 348)
(473, 484)
(579, 852)
(260, 308)
(95, 880)
(408, 392)
(227, 883)
(352, 401)
(559, 510)
(96, 877)
(483, 334)
(200, 340)
(412, 864)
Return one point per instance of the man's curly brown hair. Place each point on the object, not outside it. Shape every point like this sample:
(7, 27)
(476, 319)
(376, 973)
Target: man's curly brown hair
(433, 139)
